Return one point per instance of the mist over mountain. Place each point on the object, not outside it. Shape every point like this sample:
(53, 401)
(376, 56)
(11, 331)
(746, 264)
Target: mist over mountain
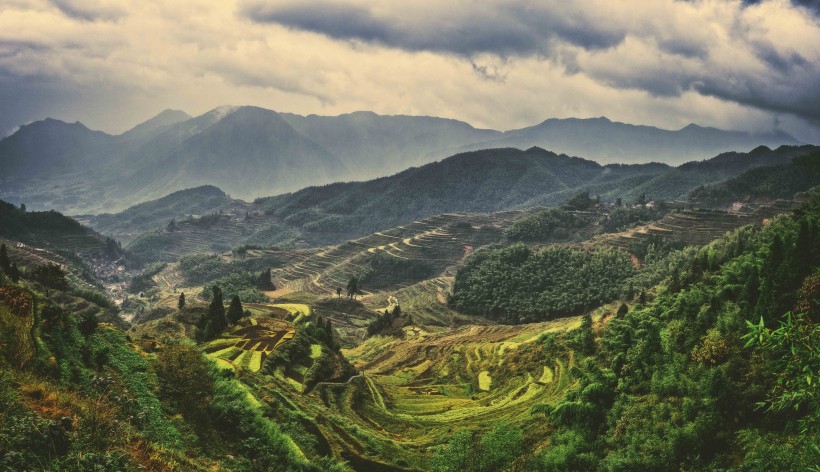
(606, 141)
(375, 145)
(250, 152)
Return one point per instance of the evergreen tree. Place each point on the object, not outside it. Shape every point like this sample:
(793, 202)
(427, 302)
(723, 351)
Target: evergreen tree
(339, 292)
(181, 302)
(235, 311)
(587, 335)
(5, 264)
(215, 321)
(265, 282)
(353, 287)
(14, 273)
(622, 310)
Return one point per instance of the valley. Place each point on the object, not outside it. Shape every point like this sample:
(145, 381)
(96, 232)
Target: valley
(380, 346)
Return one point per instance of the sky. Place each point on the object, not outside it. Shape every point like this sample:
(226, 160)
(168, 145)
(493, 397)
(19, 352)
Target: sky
(733, 64)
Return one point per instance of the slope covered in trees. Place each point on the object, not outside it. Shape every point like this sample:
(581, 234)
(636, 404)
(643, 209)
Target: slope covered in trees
(710, 374)
(159, 213)
(513, 284)
(800, 175)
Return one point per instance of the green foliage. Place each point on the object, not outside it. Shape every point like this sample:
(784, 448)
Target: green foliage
(382, 270)
(792, 351)
(152, 214)
(623, 218)
(242, 284)
(800, 175)
(265, 282)
(384, 321)
(513, 284)
(580, 202)
(185, 382)
(152, 246)
(492, 451)
(214, 322)
(235, 311)
(672, 386)
(549, 224)
(50, 276)
(353, 287)
(94, 296)
(5, 263)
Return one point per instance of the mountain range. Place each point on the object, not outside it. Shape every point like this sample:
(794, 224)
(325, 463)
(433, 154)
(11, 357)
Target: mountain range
(250, 152)
(485, 181)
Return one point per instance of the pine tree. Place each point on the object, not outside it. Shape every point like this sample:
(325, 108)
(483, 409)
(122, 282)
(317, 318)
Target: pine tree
(181, 302)
(5, 264)
(235, 311)
(622, 310)
(14, 273)
(265, 282)
(216, 316)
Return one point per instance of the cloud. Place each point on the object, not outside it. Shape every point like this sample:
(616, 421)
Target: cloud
(113, 63)
(664, 48)
(90, 10)
(459, 27)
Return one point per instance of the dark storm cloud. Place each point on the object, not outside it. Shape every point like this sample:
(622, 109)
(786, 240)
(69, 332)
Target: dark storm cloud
(465, 29)
(812, 5)
(85, 10)
(767, 74)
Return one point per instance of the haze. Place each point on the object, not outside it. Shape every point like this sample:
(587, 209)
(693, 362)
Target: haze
(749, 66)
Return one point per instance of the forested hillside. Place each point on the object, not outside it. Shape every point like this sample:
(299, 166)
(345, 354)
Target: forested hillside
(717, 367)
(767, 183)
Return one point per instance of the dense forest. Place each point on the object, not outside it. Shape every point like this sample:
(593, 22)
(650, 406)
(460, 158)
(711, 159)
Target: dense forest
(513, 284)
(716, 369)
(774, 182)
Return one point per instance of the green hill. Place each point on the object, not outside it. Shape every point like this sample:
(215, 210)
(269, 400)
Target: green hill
(764, 183)
(157, 213)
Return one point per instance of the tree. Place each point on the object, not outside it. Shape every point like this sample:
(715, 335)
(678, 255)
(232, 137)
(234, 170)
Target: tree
(622, 311)
(181, 302)
(619, 202)
(5, 264)
(587, 335)
(214, 322)
(580, 202)
(23, 207)
(185, 381)
(51, 276)
(641, 199)
(353, 287)
(265, 282)
(339, 292)
(14, 273)
(235, 311)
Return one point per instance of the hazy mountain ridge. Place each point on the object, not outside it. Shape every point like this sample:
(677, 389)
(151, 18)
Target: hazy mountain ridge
(607, 141)
(475, 182)
(251, 152)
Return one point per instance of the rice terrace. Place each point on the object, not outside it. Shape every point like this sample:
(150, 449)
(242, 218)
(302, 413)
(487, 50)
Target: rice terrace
(349, 236)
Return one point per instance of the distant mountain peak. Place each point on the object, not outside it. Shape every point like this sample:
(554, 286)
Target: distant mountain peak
(162, 120)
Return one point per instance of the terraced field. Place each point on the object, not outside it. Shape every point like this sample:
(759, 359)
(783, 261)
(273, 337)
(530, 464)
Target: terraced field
(441, 240)
(249, 344)
(695, 227)
(414, 393)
